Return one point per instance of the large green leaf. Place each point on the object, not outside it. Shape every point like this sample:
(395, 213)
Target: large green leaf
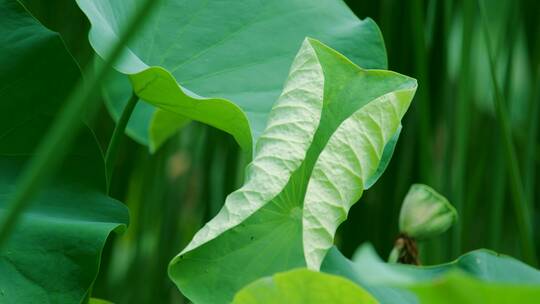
(480, 276)
(237, 52)
(53, 254)
(325, 136)
(303, 286)
(459, 288)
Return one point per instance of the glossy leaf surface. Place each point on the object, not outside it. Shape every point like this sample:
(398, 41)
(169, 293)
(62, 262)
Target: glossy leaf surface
(475, 276)
(53, 255)
(460, 288)
(328, 102)
(303, 286)
(234, 53)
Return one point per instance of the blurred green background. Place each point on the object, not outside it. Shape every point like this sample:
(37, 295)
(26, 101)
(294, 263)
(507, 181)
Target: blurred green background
(452, 140)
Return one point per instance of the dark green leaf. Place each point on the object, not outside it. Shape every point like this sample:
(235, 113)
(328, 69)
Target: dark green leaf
(53, 255)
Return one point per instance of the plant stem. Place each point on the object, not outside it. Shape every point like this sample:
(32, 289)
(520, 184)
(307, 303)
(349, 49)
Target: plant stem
(422, 107)
(532, 32)
(55, 144)
(532, 134)
(520, 205)
(497, 201)
(499, 183)
(112, 150)
(462, 119)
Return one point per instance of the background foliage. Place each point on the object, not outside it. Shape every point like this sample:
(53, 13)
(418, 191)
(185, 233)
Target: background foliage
(451, 140)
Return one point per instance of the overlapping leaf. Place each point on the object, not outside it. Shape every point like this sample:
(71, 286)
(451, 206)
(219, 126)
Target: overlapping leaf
(457, 287)
(235, 51)
(53, 255)
(325, 137)
(303, 286)
(480, 276)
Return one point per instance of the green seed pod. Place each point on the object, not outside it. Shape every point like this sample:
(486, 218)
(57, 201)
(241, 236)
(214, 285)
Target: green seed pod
(425, 213)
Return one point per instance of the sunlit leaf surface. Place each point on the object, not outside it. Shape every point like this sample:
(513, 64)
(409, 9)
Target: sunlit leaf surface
(329, 126)
(303, 286)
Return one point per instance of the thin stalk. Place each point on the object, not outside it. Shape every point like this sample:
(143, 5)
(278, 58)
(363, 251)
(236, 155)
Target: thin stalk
(435, 250)
(532, 135)
(447, 96)
(422, 107)
(519, 203)
(532, 32)
(499, 183)
(461, 125)
(55, 144)
(112, 150)
(475, 182)
(497, 201)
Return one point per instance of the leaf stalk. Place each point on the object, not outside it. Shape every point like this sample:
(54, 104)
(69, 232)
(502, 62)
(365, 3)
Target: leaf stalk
(112, 150)
(516, 185)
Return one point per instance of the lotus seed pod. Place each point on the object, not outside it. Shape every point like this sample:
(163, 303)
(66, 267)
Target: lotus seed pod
(425, 213)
